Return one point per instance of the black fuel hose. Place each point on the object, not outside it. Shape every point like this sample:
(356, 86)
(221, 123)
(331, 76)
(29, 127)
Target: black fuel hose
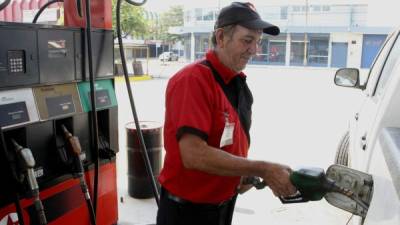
(43, 8)
(16, 197)
(4, 4)
(94, 121)
(75, 149)
(131, 100)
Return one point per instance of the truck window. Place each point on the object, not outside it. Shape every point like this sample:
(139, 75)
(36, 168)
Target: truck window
(388, 67)
(376, 67)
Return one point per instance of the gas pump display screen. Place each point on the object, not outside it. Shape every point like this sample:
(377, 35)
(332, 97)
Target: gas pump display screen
(13, 113)
(102, 99)
(60, 105)
(57, 49)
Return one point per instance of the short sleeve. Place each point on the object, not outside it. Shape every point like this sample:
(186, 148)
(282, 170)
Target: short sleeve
(189, 105)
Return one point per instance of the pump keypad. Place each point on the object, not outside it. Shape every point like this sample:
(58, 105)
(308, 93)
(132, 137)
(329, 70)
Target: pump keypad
(16, 61)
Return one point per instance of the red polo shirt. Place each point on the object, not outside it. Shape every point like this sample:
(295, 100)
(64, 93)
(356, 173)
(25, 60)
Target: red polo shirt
(196, 104)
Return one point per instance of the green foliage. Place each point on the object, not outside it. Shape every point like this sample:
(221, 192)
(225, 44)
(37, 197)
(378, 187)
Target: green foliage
(134, 23)
(158, 29)
(132, 20)
(173, 17)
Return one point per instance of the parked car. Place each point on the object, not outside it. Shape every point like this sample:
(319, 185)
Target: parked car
(168, 56)
(372, 142)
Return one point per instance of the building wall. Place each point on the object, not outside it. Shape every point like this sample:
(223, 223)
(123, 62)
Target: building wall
(25, 10)
(354, 43)
(322, 24)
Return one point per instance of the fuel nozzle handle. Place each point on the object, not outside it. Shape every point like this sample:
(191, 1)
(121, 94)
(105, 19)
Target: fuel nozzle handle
(29, 164)
(73, 141)
(310, 184)
(75, 147)
(255, 181)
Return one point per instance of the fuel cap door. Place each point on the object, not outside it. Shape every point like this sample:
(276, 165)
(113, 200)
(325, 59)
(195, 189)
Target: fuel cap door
(359, 185)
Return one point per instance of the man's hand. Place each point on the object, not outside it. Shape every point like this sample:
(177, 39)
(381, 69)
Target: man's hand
(276, 177)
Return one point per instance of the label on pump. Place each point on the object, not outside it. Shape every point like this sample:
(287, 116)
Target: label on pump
(105, 95)
(57, 100)
(102, 99)
(17, 107)
(13, 113)
(60, 105)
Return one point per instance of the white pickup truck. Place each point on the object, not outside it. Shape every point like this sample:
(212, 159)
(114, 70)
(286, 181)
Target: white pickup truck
(372, 143)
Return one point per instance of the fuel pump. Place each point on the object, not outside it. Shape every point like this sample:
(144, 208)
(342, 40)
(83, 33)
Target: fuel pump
(39, 100)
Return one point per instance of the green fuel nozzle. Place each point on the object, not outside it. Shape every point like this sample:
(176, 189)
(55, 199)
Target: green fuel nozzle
(311, 184)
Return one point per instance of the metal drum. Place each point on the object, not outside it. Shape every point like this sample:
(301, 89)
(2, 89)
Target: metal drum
(139, 185)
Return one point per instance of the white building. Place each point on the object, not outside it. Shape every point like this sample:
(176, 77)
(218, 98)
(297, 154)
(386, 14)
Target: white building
(313, 33)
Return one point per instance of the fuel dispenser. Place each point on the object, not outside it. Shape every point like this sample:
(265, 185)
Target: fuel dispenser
(48, 154)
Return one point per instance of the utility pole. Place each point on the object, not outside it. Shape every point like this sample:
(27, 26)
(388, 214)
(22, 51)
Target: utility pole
(305, 36)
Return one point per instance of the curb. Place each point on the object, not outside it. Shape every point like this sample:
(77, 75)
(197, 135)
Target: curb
(120, 78)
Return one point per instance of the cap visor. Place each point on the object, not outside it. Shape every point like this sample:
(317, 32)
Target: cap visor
(260, 24)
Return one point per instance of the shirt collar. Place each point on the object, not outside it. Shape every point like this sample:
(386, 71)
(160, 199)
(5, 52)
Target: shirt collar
(226, 73)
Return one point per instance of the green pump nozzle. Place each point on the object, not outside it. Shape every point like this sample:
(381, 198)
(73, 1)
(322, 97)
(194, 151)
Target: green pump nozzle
(311, 184)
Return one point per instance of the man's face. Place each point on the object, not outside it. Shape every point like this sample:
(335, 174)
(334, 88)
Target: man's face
(240, 47)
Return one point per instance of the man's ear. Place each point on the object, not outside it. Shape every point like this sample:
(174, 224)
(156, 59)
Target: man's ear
(219, 36)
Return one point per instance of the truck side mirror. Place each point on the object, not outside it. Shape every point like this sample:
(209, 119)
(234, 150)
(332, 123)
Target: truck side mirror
(348, 77)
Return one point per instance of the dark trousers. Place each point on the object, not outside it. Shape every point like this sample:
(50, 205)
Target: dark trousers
(173, 212)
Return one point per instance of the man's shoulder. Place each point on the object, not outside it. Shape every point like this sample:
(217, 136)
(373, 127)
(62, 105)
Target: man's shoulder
(195, 70)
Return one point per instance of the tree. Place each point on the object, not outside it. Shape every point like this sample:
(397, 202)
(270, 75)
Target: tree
(171, 18)
(132, 20)
(158, 29)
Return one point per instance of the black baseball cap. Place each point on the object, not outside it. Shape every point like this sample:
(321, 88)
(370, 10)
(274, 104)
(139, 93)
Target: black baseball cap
(244, 14)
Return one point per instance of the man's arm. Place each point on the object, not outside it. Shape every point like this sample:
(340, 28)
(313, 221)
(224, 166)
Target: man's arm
(198, 155)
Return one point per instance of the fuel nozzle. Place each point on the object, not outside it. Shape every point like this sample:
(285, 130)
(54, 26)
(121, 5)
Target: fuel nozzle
(28, 163)
(74, 146)
(73, 141)
(255, 181)
(313, 184)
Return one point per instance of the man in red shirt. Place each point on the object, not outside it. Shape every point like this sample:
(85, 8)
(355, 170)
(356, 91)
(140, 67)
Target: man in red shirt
(206, 130)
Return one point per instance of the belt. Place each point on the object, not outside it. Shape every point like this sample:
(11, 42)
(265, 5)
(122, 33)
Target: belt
(182, 201)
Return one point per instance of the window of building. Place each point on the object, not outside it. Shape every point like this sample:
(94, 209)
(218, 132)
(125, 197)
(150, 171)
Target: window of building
(202, 44)
(297, 49)
(198, 14)
(187, 40)
(318, 50)
(296, 8)
(208, 16)
(188, 16)
(316, 8)
(276, 53)
(284, 12)
(262, 53)
(272, 51)
(326, 8)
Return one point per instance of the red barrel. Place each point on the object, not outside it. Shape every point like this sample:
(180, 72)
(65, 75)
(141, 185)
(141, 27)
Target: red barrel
(139, 185)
